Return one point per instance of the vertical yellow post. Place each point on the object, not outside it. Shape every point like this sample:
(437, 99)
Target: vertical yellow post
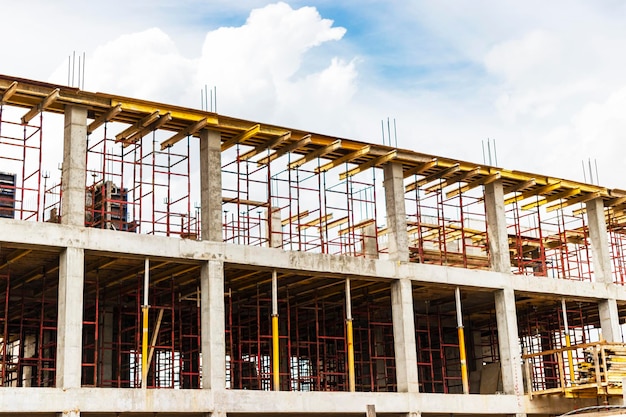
(350, 339)
(144, 327)
(462, 354)
(275, 344)
(568, 342)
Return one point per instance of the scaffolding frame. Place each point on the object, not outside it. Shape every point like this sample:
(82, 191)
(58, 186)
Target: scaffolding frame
(447, 228)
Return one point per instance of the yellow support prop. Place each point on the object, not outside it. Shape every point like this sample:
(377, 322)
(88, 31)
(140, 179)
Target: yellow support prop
(144, 347)
(350, 340)
(463, 355)
(570, 359)
(276, 353)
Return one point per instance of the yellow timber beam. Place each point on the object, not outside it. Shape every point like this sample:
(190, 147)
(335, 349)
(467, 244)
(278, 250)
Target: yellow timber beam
(45, 103)
(383, 159)
(476, 183)
(104, 118)
(295, 217)
(266, 146)
(289, 148)
(532, 193)
(188, 115)
(582, 199)
(420, 168)
(155, 125)
(8, 93)
(519, 186)
(346, 158)
(461, 176)
(242, 137)
(188, 131)
(551, 198)
(432, 177)
(137, 127)
(617, 202)
(316, 222)
(316, 154)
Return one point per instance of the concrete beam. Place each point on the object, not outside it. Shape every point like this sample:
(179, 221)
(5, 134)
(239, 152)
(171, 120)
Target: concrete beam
(56, 237)
(32, 401)
(211, 185)
(70, 318)
(396, 212)
(334, 403)
(73, 175)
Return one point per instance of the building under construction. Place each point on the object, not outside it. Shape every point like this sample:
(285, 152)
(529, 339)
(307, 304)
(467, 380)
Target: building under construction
(180, 262)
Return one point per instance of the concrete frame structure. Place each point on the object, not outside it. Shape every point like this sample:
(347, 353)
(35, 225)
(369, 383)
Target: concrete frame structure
(72, 240)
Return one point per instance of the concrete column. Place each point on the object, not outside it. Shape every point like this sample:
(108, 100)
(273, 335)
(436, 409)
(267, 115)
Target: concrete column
(599, 241)
(70, 319)
(73, 175)
(508, 342)
(396, 212)
(30, 350)
(275, 228)
(212, 318)
(496, 228)
(609, 315)
(106, 343)
(404, 335)
(370, 246)
(211, 185)
(609, 320)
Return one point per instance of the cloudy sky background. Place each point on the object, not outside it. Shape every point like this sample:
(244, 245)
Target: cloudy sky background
(546, 80)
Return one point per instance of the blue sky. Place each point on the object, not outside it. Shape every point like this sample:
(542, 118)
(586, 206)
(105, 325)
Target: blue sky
(546, 80)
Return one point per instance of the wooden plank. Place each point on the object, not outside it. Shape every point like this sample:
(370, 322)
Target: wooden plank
(157, 124)
(572, 201)
(371, 163)
(421, 168)
(316, 154)
(533, 193)
(460, 177)
(45, 103)
(477, 183)
(104, 117)
(346, 158)
(8, 93)
(266, 146)
(289, 148)
(242, 137)
(140, 124)
(295, 217)
(559, 196)
(189, 130)
(437, 175)
(519, 186)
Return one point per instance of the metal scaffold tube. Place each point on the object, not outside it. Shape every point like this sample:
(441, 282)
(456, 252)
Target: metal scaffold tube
(568, 341)
(275, 344)
(350, 339)
(462, 354)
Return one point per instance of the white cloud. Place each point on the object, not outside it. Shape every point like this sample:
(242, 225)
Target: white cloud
(146, 64)
(256, 66)
(545, 80)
